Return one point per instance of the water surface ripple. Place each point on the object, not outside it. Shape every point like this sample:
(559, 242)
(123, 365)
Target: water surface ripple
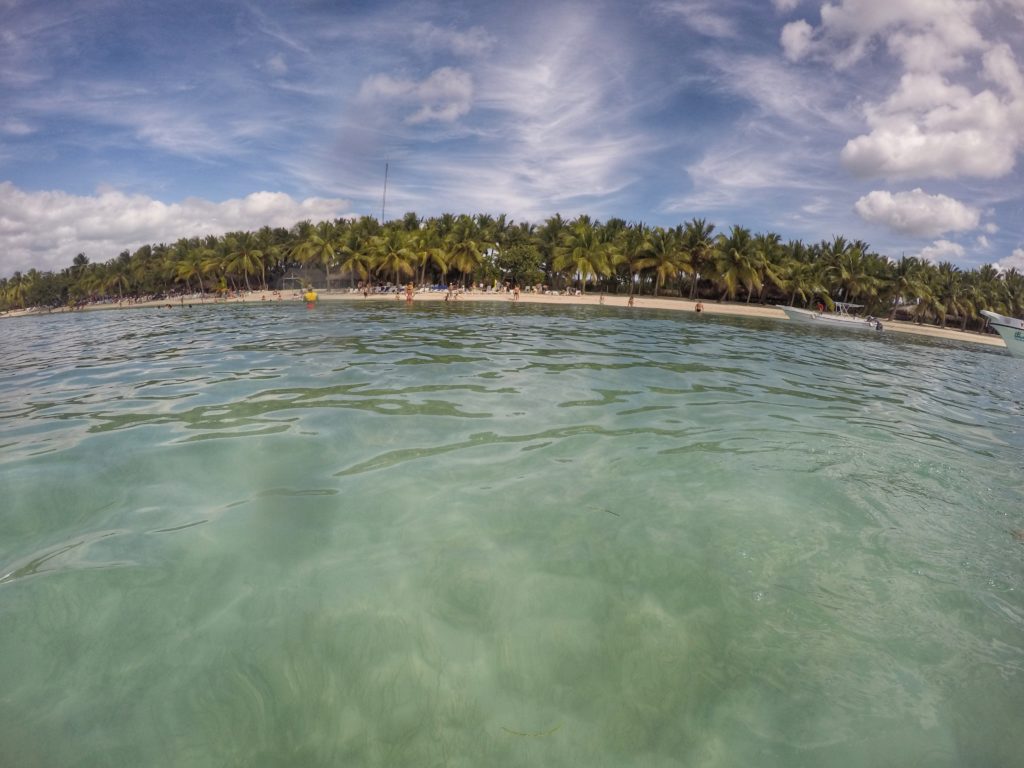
(504, 535)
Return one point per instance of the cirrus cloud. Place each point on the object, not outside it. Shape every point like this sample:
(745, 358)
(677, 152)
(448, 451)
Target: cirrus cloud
(444, 96)
(917, 213)
(785, 6)
(473, 42)
(46, 229)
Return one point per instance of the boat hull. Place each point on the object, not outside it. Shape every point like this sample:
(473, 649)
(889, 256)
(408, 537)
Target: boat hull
(831, 320)
(1010, 329)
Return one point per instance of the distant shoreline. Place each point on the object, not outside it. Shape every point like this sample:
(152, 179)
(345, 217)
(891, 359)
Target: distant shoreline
(591, 299)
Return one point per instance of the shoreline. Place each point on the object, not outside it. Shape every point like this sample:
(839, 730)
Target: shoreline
(610, 300)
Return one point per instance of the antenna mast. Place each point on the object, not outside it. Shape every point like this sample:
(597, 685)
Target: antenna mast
(384, 199)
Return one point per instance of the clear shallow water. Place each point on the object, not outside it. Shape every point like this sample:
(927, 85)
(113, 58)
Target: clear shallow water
(504, 535)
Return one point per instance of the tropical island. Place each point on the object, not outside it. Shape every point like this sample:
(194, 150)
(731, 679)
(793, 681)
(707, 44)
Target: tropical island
(582, 255)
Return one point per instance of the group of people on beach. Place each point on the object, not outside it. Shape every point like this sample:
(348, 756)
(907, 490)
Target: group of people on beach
(452, 294)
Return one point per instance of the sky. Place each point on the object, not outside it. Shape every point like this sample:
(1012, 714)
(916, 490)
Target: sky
(896, 122)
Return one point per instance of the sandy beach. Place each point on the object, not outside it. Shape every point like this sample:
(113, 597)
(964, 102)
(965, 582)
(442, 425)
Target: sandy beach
(640, 303)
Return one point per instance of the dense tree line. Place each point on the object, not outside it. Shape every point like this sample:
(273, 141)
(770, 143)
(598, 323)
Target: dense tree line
(688, 260)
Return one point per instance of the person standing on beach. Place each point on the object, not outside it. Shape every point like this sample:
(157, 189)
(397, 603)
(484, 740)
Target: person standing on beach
(408, 293)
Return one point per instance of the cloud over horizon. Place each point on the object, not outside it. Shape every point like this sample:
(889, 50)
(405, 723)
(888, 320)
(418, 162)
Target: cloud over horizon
(917, 213)
(59, 225)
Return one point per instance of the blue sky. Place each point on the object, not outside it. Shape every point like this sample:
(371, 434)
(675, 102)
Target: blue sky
(897, 122)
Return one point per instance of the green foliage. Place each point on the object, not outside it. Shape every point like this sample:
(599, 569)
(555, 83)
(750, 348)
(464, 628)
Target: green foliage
(688, 259)
(520, 263)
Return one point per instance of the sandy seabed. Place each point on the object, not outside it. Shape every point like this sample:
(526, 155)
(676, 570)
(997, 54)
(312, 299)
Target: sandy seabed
(640, 303)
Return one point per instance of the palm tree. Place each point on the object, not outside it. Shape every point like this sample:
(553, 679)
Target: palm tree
(17, 290)
(319, 248)
(354, 255)
(549, 239)
(92, 281)
(270, 243)
(428, 251)
(633, 245)
(734, 263)
(119, 275)
(987, 280)
(904, 282)
(949, 292)
(663, 255)
(191, 267)
(768, 256)
(213, 257)
(245, 256)
(802, 273)
(462, 248)
(851, 272)
(583, 252)
(410, 222)
(392, 255)
(699, 243)
(1013, 293)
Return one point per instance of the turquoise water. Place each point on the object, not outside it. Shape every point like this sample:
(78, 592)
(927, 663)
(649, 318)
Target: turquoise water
(505, 535)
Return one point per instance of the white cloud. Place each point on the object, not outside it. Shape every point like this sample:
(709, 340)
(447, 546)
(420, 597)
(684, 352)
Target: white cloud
(983, 242)
(557, 127)
(958, 109)
(796, 39)
(942, 250)
(444, 96)
(929, 127)
(473, 42)
(553, 127)
(917, 213)
(1001, 67)
(46, 229)
(785, 6)
(702, 16)
(781, 93)
(935, 33)
(276, 65)
(15, 127)
(735, 173)
(1014, 261)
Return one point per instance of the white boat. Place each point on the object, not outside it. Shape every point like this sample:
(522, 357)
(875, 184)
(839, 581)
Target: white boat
(1010, 329)
(841, 318)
